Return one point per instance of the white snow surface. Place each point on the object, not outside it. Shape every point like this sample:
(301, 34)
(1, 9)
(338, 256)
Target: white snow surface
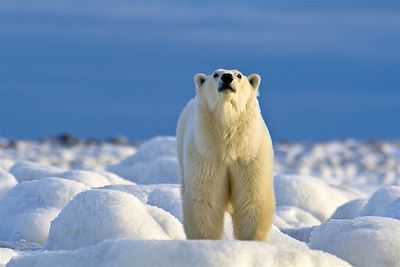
(27, 210)
(7, 182)
(280, 251)
(164, 196)
(295, 217)
(118, 205)
(350, 210)
(154, 162)
(93, 179)
(88, 157)
(5, 256)
(303, 191)
(28, 171)
(96, 215)
(385, 202)
(364, 241)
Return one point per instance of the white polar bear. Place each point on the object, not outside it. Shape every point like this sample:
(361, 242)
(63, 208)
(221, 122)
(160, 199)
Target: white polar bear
(226, 158)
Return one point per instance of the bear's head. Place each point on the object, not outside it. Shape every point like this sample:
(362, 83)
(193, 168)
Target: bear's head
(226, 89)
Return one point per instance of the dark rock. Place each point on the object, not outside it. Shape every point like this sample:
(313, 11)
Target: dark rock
(67, 139)
(13, 144)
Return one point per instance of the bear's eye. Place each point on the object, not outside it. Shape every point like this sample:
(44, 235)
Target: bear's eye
(215, 75)
(239, 76)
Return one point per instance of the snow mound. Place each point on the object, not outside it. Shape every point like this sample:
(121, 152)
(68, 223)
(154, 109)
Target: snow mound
(100, 214)
(27, 210)
(89, 178)
(362, 165)
(28, 171)
(309, 194)
(157, 147)
(20, 245)
(384, 202)
(350, 210)
(164, 196)
(281, 251)
(5, 256)
(7, 182)
(154, 162)
(300, 234)
(364, 241)
(115, 179)
(6, 163)
(295, 217)
(279, 223)
(92, 179)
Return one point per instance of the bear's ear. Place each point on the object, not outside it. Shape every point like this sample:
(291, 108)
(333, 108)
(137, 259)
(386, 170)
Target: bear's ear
(199, 79)
(254, 80)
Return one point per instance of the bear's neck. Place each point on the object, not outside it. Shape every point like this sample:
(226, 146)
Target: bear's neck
(229, 133)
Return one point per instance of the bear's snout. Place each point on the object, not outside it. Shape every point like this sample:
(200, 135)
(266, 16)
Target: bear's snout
(227, 78)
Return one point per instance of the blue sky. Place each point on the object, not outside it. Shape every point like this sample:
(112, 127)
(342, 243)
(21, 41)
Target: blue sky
(330, 69)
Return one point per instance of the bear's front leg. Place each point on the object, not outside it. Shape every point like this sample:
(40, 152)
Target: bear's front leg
(204, 200)
(253, 201)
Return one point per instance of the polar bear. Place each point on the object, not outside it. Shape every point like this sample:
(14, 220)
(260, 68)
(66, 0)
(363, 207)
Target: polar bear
(226, 158)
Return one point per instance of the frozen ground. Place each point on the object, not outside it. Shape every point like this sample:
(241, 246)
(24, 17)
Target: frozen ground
(338, 204)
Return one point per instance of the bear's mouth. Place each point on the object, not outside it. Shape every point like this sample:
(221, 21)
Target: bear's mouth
(226, 88)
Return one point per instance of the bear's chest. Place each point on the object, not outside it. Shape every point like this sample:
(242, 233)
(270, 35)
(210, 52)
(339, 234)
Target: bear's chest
(236, 147)
(229, 145)
(227, 138)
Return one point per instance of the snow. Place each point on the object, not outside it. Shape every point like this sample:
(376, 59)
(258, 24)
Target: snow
(164, 196)
(27, 210)
(302, 191)
(364, 241)
(350, 209)
(154, 162)
(5, 256)
(28, 171)
(385, 202)
(88, 157)
(295, 217)
(281, 251)
(100, 214)
(92, 179)
(366, 166)
(118, 205)
(6, 163)
(113, 178)
(7, 182)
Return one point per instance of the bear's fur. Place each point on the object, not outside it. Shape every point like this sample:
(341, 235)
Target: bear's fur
(226, 159)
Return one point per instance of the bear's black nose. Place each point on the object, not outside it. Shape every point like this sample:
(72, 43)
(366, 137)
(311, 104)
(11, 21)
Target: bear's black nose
(227, 78)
